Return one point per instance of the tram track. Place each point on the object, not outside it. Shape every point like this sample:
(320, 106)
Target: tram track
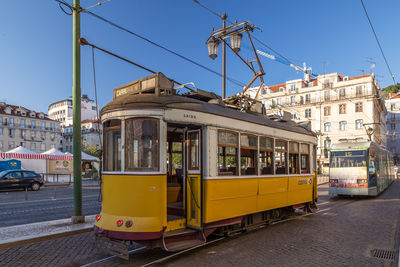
(337, 203)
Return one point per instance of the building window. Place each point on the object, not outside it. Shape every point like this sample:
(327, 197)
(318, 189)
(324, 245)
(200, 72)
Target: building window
(280, 157)
(308, 98)
(42, 147)
(281, 89)
(327, 95)
(327, 126)
(11, 121)
(248, 154)
(393, 117)
(359, 107)
(279, 101)
(307, 113)
(33, 134)
(301, 99)
(293, 88)
(293, 116)
(33, 146)
(52, 126)
(1, 120)
(342, 93)
(33, 124)
(22, 123)
(11, 144)
(393, 126)
(393, 107)
(227, 153)
(93, 107)
(23, 144)
(1, 131)
(342, 109)
(266, 155)
(359, 91)
(359, 124)
(292, 100)
(43, 125)
(327, 111)
(342, 125)
(11, 132)
(23, 133)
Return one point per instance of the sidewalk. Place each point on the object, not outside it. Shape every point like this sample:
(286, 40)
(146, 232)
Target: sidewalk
(35, 232)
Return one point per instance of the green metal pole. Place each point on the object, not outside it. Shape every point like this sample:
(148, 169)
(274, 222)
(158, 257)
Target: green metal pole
(76, 111)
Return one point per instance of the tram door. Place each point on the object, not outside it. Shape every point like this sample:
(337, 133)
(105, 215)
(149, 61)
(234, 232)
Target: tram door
(193, 179)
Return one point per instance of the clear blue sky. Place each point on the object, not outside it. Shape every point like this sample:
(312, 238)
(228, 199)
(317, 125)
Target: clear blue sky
(36, 43)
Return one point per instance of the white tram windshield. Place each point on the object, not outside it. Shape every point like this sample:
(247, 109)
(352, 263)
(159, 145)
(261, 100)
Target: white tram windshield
(348, 159)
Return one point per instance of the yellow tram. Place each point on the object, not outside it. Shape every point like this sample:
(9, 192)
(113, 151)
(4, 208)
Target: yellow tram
(179, 167)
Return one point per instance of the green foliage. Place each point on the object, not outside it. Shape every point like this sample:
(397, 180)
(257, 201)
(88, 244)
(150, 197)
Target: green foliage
(394, 88)
(92, 150)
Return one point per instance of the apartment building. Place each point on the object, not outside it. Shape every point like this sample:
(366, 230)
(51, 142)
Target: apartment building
(61, 111)
(33, 130)
(393, 126)
(91, 134)
(337, 107)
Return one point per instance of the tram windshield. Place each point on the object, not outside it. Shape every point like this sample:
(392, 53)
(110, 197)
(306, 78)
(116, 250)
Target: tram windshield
(343, 159)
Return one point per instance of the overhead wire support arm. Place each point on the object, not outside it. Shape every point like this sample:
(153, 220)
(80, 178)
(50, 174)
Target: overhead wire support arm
(84, 42)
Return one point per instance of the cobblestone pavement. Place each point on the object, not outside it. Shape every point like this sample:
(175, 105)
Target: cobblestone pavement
(342, 233)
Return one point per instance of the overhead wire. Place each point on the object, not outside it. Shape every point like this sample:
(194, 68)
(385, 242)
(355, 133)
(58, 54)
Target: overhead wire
(230, 79)
(377, 40)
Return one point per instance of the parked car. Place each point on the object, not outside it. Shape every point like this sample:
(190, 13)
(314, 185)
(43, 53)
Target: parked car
(20, 179)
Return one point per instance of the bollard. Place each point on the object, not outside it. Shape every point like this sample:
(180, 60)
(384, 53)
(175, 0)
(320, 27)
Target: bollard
(26, 193)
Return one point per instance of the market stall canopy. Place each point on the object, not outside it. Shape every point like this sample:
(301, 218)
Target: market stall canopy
(55, 152)
(88, 157)
(21, 150)
(24, 153)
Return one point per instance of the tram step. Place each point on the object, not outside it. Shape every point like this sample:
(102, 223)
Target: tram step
(180, 232)
(184, 245)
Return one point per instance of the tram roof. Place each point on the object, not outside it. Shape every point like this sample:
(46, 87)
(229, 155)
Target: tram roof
(140, 101)
(362, 145)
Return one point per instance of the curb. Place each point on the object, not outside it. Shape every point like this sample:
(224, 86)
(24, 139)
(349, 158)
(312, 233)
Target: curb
(28, 240)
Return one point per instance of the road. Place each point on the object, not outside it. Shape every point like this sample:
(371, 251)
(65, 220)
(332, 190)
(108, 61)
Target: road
(49, 203)
(344, 232)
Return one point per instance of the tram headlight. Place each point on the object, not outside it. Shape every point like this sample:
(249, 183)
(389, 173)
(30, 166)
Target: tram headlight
(120, 223)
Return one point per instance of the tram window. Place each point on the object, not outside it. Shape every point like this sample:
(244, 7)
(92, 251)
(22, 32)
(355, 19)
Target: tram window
(266, 155)
(280, 157)
(112, 145)
(294, 158)
(248, 154)
(227, 153)
(348, 159)
(176, 158)
(193, 150)
(142, 145)
(305, 158)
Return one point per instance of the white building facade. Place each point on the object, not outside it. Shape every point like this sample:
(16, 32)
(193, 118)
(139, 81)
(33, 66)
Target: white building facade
(33, 130)
(393, 126)
(337, 107)
(61, 111)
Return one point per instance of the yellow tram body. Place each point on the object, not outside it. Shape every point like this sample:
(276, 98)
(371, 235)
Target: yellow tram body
(178, 168)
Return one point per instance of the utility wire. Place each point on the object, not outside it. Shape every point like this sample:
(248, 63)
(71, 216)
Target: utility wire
(234, 81)
(163, 47)
(377, 40)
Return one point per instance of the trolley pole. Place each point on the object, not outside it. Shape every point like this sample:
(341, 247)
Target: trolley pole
(76, 110)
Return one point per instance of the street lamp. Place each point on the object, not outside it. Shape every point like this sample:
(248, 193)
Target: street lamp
(212, 45)
(236, 41)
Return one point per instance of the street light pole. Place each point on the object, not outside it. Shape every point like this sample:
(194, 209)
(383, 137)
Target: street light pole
(224, 17)
(76, 111)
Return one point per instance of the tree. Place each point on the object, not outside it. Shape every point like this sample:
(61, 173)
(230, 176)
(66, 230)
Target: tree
(92, 150)
(394, 88)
